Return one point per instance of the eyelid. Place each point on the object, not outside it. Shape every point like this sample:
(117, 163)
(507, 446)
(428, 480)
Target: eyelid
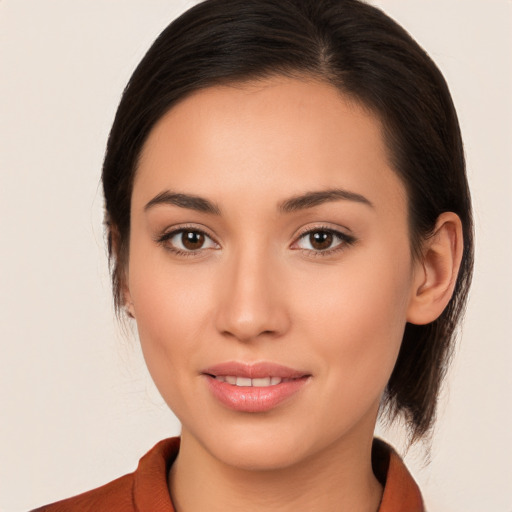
(166, 235)
(345, 239)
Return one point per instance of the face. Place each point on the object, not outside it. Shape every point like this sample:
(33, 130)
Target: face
(269, 269)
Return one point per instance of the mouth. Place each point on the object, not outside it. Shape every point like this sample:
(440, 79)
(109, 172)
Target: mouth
(248, 382)
(254, 388)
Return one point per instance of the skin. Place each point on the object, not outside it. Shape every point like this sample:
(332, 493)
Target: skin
(259, 290)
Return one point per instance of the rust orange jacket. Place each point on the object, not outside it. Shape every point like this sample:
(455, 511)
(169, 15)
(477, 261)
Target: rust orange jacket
(145, 490)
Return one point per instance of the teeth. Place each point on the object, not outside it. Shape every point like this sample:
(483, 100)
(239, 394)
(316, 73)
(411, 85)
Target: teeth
(243, 381)
(260, 383)
(247, 382)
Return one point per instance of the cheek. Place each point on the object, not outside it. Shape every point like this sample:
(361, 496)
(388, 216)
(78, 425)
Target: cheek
(171, 309)
(357, 317)
(167, 302)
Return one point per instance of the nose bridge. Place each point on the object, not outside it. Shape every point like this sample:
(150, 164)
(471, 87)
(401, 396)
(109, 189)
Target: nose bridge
(251, 302)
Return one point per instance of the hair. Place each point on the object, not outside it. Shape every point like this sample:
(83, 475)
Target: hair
(368, 57)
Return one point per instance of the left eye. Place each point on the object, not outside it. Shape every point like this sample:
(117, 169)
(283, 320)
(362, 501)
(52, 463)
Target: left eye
(321, 240)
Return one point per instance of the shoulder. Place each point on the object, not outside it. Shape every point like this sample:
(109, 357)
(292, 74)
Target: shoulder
(401, 493)
(114, 496)
(147, 485)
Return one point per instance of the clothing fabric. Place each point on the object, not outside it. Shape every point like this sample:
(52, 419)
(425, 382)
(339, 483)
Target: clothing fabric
(145, 490)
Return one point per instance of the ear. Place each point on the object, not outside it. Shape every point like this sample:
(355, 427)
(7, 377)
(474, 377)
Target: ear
(436, 272)
(125, 295)
(120, 269)
(127, 302)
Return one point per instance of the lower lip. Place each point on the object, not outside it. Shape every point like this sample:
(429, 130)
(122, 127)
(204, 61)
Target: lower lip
(254, 399)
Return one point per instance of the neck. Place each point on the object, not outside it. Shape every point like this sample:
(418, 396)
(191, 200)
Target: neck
(339, 479)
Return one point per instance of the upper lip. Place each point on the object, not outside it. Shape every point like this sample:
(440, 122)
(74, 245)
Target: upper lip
(254, 370)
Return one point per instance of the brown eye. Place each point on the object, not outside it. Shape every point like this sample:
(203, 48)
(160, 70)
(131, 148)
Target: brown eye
(187, 241)
(321, 240)
(192, 240)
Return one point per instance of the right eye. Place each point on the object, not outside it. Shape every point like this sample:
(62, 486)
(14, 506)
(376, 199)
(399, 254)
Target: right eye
(187, 241)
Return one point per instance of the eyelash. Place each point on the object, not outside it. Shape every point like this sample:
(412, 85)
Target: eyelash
(344, 240)
(166, 237)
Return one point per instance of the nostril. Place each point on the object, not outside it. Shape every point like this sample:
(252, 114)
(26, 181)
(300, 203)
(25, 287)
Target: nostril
(250, 308)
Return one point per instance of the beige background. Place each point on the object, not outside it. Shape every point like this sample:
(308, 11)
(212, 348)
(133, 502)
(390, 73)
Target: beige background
(77, 407)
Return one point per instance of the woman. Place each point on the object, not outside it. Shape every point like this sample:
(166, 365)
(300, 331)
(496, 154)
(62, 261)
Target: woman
(290, 227)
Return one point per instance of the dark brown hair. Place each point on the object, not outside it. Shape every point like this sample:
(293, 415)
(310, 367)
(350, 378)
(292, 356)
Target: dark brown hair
(367, 56)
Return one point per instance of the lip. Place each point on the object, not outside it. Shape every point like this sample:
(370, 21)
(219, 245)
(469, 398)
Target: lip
(254, 399)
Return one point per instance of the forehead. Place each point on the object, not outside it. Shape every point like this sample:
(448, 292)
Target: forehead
(268, 138)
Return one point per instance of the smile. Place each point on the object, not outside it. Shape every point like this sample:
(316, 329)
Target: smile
(254, 388)
(248, 382)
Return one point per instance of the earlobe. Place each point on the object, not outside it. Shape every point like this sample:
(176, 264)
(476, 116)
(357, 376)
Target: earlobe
(128, 306)
(120, 270)
(127, 300)
(436, 273)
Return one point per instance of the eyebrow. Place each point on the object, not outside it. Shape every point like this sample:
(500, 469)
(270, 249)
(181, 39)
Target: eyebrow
(296, 203)
(188, 201)
(312, 199)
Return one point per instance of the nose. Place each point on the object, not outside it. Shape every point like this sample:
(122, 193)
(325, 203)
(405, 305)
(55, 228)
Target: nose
(252, 300)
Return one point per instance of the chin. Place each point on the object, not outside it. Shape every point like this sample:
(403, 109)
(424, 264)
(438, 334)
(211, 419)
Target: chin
(260, 454)
(261, 447)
